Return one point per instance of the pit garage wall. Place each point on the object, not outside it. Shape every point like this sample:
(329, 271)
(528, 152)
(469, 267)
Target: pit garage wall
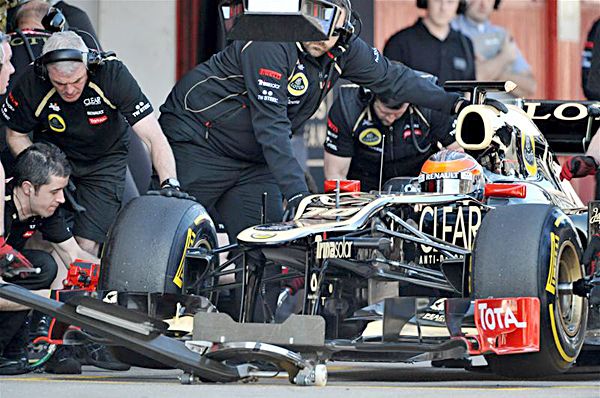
(143, 34)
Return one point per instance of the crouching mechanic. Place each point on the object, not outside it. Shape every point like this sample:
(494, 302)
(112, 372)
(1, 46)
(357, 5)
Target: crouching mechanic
(32, 201)
(361, 125)
(82, 101)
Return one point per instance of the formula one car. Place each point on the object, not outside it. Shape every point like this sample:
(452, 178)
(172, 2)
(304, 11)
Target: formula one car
(478, 256)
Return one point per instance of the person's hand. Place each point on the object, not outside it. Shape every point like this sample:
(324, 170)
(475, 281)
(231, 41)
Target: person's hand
(591, 256)
(578, 166)
(11, 260)
(460, 104)
(292, 206)
(509, 49)
(171, 189)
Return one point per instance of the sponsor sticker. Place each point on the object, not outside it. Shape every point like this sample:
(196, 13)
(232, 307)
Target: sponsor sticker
(267, 96)
(56, 123)
(92, 101)
(54, 106)
(370, 137)
(264, 83)
(298, 84)
(332, 249)
(262, 235)
(97, 120)
(270, 73)
(140, 108)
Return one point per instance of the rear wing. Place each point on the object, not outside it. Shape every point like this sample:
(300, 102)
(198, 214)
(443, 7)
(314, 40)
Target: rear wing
(563, 123)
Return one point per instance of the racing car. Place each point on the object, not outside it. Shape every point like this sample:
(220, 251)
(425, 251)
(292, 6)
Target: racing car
(480, 255)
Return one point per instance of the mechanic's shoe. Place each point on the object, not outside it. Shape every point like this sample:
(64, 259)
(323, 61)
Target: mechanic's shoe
(63, 362)
(43, 326)
(101, 357)
(11, 367)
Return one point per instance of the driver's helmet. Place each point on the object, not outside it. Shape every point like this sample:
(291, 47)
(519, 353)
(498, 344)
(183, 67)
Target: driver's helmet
(452, 172)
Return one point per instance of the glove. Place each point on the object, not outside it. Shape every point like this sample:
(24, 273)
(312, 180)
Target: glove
(578, 166)
(292, 206)
(11, 260)
(171, 189)
(460, 104)
(591, 255)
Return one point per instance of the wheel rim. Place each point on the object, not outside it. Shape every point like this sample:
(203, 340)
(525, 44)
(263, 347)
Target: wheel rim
(570, 307)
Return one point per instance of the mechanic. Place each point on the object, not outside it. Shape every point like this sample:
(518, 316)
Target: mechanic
(6, 70)
(82, 101)
(359, 123)
(230, 119)
(31, 204)
(497, 56)
(432, 46)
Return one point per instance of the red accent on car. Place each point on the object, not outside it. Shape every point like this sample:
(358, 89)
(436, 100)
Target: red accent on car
(499, 190)
(506, 326)
(97, 120)
(345, 185)
(28, 234)
(270, 73)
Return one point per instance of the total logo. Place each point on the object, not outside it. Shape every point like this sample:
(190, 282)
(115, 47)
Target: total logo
(498, 318)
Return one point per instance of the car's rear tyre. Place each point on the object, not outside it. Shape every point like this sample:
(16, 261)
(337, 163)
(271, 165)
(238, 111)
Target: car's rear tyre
(527, 250)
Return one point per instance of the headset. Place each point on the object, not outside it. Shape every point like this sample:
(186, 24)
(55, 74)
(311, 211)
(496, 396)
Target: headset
(55, 21)
(462, 5)
(91, 59)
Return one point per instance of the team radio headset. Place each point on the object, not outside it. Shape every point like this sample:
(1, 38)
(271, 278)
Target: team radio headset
(91, 59)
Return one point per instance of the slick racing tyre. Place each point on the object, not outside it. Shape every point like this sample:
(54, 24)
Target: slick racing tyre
(146, 245)
(526, 251)
(145, 252)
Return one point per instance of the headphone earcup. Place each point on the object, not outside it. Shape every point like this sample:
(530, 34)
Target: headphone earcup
(421, 3)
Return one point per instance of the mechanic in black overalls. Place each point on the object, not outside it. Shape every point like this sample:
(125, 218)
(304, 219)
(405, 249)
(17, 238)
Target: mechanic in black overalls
(31, 204)
(230, 119)
(360, 124)
(83, 102)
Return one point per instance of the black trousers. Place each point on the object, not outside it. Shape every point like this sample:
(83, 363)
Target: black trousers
(13, 324)
(231, 190)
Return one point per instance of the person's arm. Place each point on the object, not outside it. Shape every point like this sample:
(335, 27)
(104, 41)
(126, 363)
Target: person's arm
(335, 167)
(592, 88)
(161, 154)
(2, 192)
(365, 66)
(272, 63)
(491, 69)
(17, 142)
(69, 251)
(586, 59)
(594, 148)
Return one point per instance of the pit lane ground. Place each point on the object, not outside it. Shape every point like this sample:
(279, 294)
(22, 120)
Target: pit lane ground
(345, 380)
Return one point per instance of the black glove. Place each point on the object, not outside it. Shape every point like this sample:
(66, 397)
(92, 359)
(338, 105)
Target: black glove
(591, 255)
(292, 206)
(171, 189)
(496, 104)
(578, 166)
(460, 104)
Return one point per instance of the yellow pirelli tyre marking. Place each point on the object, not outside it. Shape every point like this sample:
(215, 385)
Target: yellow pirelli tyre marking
(189, 241)
(561, 351)
(559, 220)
